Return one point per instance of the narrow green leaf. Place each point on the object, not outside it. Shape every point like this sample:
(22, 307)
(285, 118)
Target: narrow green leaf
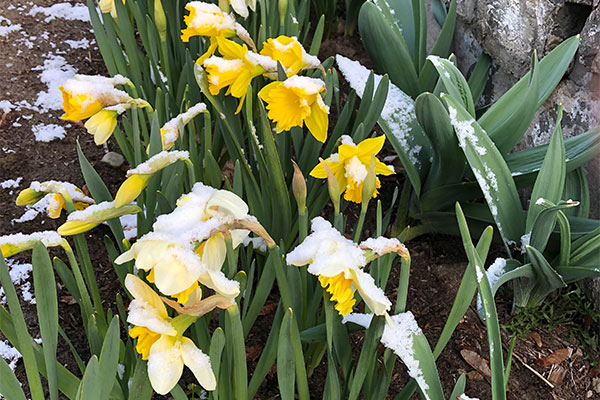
(140, 388)
(286, 376)
(479, 77)
(576, 188)
(459, 387)
(47, 311)
(109, 359)
(90, 386)
(550, 182)
(455, 82)
(491, 172)
(9, 384)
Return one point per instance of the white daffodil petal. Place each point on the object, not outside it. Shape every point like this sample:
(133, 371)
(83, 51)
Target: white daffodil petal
(217, 281)
(226, 202)
(238, 236)
(215, 252)
(173, 277)
(165, 364)
(373, 296)
(143, 314)
(142, 292)
(127, 256)
(199, 363)
(239, 6)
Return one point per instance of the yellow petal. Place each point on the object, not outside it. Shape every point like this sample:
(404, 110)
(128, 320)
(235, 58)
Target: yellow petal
(230, 49)
(101, 125)
(214, 252)
(371, 146)
(131, 189)
(140, 290)
(29, 196)
(55, 205)
(74, 227)
(317, 122)
(383, 169)
(173, 277)
(165, 364)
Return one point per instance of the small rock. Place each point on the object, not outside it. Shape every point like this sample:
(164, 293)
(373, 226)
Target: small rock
(596, 384)
(589, 394)
(113, 159)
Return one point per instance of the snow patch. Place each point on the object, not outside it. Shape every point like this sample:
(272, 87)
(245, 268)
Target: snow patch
(55, 71)
(47, 133)
(66, 11)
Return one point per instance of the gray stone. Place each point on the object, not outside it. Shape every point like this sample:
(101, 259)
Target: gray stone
(509, 31)
(113, 159)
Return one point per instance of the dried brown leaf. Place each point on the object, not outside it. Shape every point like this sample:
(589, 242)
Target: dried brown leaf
(557, 357)
(476, 361)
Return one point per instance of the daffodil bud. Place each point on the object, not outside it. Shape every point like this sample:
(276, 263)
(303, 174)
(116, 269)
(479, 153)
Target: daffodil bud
(83, 221)
(369, 184)
(332, 186)
(160, 20)
(29, 196)
(282, 11)
(131, 189)
(299, 188)
(18, 242)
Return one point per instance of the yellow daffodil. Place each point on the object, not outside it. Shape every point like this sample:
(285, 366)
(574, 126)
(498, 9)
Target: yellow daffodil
(137, 178)
(52, 192)
(18, 242)
(235, 69)
(169, 133)
(297, 101)
(338, 263)
(290, 53)
(108, 6)
(96, 98)
(188, 246)
(206, 19)
(160, 340)
(92, 216)
(349, 166)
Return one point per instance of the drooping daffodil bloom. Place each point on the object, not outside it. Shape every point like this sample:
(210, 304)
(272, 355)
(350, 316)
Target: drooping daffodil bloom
(108, 6)
(338, 263)
(52, 193)
(94, 215)
(235, 69)
(96, 99)
(18, 242)
(297, 101)
(160, 340)
(137, 178)
(241, 6)
(188, 246)
(169, 132)
(350, 166)
(290, 53)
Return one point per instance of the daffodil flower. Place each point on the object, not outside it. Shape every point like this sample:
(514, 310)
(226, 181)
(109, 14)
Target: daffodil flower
(137, 178)
(96, 99)
(169, 132)
(290, 53)
(160, 340)
(52, 192)
(18, 242)
(297, 101)
(349, 166)
(94, 215)
(338, 263)
(206, 19)
(188, 246)
(108, 6)
(235, 69)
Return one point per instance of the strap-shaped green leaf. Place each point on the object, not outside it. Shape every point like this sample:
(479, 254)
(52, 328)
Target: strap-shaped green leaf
(454, 81)
(585, 249)
(490, 170)
(479, 77)
(386, 46)
(448, 161)
(551, 178)
(550, 70)
(545, 222)
(10, 387)
(398, 121)
(525, 164)
(459, 387)
(546, 278)
(576, 188)
(90, 386)
(109, 359)
(286, 376)
(573, 273)
(442, 46)
(47, 311)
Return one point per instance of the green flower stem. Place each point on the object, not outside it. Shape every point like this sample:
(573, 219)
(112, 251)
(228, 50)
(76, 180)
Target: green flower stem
(403, 284)
(361, 220)
(280, 275)
(231, 257)
(240, 373)
(191, 173)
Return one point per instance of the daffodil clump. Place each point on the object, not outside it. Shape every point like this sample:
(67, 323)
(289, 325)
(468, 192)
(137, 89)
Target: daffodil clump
(188, 246)
(97, 99)
(350, 166)
(52, 195)
(339, 263)
(295, 102)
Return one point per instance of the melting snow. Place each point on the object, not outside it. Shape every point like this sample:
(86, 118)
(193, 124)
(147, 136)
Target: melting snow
(55, 71)
(47, 133)
(11, 183)
(62, 10)
(9, 353)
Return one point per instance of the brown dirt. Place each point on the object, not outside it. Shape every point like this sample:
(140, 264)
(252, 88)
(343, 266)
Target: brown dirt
(438, 261)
